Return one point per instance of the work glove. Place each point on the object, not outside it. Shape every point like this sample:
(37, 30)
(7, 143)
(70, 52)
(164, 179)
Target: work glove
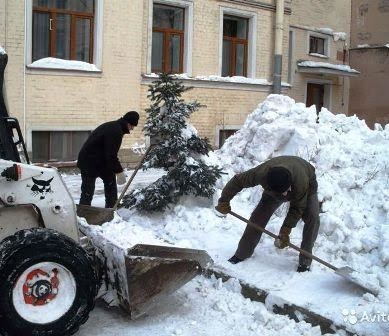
(283, 238)
(121, 178)
(223, 207)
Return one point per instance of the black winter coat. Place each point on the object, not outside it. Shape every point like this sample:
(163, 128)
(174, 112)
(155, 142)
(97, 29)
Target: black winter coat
(98, 156)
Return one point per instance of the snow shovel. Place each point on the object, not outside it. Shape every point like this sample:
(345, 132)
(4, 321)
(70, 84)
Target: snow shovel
(346, 272)
(98, 216)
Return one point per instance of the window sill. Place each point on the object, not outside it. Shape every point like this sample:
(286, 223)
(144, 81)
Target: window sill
(55, 66)
(214, 81)
(318, 55)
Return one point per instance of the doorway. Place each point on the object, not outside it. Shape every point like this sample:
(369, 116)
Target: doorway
(315, 95)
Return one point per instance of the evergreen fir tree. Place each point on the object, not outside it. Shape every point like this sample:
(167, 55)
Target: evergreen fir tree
(176, 148)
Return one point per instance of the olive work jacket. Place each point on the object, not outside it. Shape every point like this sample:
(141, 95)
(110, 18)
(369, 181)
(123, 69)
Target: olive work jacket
(303, 183)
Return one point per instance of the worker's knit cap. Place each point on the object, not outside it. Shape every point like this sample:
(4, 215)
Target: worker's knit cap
(279, 179)
(132, 118)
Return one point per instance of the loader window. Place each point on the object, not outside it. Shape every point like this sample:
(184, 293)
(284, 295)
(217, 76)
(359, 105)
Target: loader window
(63, 29)
(52, 146)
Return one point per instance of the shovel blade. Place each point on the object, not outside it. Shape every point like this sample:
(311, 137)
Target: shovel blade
(154, 272)
(95, 215)
(356, 278)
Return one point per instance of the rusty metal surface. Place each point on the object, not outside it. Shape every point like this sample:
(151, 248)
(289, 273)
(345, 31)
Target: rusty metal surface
(154, 272)
(95, 215)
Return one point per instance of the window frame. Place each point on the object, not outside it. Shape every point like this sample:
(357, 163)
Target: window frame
(188, 32)
(69, 135)
(97, 35)
(220, 128)
(326, 44)
(251, 38)
(167, 33)
(74, 15)
(53, 129)
(234, 42)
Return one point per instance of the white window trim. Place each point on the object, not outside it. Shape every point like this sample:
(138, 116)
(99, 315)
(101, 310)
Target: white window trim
(54, 129)
(252, 38)
(327, 103)
(188, 33)
(97, 37)
(224, 127)
(326, 44)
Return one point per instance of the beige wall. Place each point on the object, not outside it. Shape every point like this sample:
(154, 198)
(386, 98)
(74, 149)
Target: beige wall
(311, 16)
(370, 22)
(74, 100)
(369, 35)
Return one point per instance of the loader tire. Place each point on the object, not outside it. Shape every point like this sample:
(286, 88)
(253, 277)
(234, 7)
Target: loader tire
(47, 284)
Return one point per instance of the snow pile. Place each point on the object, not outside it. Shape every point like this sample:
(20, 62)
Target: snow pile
(352, 166)
(57, 63)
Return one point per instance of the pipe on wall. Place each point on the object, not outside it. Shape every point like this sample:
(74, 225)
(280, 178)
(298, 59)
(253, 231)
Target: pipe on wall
(279, 32)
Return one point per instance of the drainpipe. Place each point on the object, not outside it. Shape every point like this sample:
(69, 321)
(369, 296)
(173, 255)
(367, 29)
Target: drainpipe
(279, 32)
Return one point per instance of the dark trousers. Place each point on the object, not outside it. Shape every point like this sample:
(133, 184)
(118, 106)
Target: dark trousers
(261, 216)
(88, 189)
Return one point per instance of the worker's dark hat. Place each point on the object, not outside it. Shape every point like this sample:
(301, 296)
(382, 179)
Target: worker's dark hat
(279, 179)
(132, 118)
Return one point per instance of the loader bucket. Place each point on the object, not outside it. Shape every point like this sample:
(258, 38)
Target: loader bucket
(153, 272)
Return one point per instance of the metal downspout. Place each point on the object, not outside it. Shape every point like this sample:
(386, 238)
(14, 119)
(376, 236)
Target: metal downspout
(279, 31)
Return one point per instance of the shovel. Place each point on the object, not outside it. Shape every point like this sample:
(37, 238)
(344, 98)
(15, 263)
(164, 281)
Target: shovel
(98, 216)
(345, 272)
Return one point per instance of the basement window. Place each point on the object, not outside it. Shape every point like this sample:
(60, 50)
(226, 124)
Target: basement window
(53, 146)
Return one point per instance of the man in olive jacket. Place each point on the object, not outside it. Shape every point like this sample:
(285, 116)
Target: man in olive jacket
(98, 157)
(284, 179)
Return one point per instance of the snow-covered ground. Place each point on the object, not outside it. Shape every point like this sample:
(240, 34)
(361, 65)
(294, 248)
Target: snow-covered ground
(352, 165)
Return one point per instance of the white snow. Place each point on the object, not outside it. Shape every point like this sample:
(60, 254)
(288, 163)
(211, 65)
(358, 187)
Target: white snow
(2, 50)
(352, 166)
(216, 78)
(341, 67)
(318, 55)
(57, 63)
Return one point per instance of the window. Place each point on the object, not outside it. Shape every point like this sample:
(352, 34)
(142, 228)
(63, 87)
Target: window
(57, 145)
(235, 46)
(224, 134)
(317, 45)
(63, 29)
(168, 39)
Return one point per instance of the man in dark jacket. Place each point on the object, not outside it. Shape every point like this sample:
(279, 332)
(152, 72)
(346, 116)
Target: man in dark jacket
(284, 179)
(98, 157)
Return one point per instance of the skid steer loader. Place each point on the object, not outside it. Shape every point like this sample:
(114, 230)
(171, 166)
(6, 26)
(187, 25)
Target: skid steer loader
(50, 268)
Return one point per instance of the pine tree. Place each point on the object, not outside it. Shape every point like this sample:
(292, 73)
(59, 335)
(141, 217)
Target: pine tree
(176, 148)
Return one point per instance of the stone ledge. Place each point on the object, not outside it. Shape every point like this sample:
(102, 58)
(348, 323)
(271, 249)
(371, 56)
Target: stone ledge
(279, 306)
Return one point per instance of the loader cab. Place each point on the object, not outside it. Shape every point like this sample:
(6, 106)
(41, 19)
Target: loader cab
(12, 145)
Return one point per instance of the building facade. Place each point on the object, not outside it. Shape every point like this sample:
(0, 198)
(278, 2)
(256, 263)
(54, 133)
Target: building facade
(75, 64)
(369, 52)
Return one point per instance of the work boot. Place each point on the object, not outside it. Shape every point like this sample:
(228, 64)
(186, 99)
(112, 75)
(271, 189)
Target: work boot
(303, 268)
(234, 260)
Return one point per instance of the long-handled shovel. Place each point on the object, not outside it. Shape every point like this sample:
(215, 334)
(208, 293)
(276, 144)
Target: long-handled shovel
(98, 216)
(345, 272)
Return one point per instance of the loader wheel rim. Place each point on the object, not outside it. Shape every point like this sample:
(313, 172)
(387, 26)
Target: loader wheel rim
(44, 292)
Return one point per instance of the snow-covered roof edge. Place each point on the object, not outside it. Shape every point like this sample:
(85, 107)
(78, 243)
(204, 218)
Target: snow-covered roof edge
(216, 78)
(340, 67)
